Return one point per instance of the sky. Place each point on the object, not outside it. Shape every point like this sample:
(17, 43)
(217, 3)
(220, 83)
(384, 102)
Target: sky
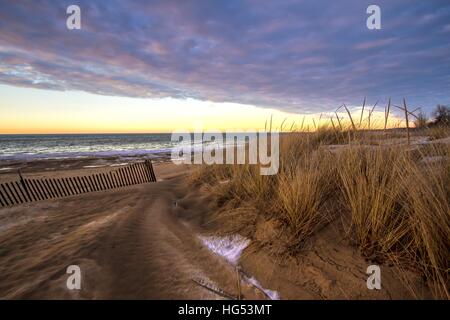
(156, 66)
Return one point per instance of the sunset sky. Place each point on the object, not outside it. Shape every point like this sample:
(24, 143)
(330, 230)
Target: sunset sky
(156, 66)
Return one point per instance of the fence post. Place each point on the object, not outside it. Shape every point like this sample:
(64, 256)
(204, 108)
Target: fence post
(150, 170)
(24, 185)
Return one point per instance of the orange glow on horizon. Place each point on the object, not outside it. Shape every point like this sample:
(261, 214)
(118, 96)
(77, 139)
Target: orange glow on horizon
(34, 111)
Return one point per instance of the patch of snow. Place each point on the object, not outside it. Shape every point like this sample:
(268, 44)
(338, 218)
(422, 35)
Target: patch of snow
(272, 294)
(229, 247)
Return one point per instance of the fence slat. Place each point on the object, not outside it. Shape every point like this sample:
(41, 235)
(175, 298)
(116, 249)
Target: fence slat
(79, 185)
(150, 168)
(87, 183)
(138, 174)
(66, 187)
(122, 183)
(2, 200)
(11, 194)
(97, 182)
(41, 187)
(105, 183)
(119, 178)
(141, 172)
(144, 172)
(69, 188)
(22, 191)
(74, 185)
(24, 187)
(63, 189)
(7, 196)
(135, 173)
(147, 172)
(122, 176)
(104, 176)
(25, 191)
(91, 183)
(30, 189)
(2, 203)
(4, 196)
(82, 184)
(49, 188)
(55, 187)
(97, 178)
(13, 197)
(113, 180)
(132, 176)
(105, 187)
(96, 185)
(17, 192)
(124, 173)
(38, 190)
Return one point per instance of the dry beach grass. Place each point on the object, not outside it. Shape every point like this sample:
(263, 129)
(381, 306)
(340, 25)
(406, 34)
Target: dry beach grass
(391, 200)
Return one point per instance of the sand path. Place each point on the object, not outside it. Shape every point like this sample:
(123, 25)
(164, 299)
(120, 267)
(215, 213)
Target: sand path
(129, 243)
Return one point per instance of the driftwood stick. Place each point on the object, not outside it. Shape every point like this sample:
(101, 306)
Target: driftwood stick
(217, 291)
(362, 112)
(238, 279)
(407, 121)
(350, 116)
(386, 114)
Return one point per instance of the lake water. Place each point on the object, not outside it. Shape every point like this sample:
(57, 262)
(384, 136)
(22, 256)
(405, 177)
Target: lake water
(51, 146)
(48, 146)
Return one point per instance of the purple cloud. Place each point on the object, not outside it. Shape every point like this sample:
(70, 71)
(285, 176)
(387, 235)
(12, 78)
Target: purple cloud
(299, 56)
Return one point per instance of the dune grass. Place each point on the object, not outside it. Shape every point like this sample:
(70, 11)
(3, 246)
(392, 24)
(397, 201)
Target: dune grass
(393, 200)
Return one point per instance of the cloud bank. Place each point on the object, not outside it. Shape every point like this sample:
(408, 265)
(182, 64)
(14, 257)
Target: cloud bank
(297, 56)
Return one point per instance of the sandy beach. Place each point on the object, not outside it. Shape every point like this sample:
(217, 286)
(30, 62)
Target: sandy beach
(147, 242)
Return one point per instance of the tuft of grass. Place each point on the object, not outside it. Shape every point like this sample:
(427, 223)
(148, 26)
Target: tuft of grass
(369, 180)
(304, 195)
